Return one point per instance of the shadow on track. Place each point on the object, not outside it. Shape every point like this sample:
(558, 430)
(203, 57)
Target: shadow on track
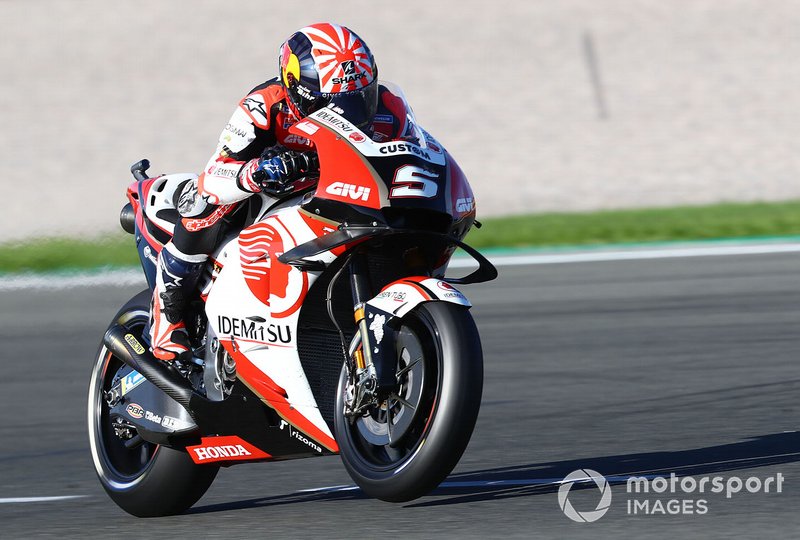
(541, 478)
(755, 452)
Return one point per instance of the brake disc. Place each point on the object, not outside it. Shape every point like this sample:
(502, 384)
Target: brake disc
(387, 423)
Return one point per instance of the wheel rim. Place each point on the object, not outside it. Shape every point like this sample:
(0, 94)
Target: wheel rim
(393, 432)
(119, 467)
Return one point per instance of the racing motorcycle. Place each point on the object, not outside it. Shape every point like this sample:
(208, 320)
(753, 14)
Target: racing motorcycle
(323, 324)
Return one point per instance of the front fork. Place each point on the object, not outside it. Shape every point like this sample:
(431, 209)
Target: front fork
(374, 376)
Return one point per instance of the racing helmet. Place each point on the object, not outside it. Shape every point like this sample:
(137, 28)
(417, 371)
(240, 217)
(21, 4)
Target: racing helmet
(329, 65)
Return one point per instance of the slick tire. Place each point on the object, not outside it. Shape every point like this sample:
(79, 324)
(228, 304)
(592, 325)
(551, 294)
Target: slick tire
(147, 480)
(448, 405)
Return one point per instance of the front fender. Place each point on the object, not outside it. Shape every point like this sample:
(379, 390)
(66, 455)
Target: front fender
(384, 312)
(403, 295)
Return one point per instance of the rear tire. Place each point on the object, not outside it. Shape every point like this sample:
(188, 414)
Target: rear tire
(445, 405)
(149, 480)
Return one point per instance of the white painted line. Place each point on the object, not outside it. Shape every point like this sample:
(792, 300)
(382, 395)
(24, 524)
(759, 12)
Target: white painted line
(476, 483)
(135, 277)
(328, 489)
(629, 255)
(40, 499)
(522, 482)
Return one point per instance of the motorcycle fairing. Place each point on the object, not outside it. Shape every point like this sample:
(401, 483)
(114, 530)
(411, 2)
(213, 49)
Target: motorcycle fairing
(253, 307)
(154, 203)
(243, 414)
(161, 204)
(416, 173)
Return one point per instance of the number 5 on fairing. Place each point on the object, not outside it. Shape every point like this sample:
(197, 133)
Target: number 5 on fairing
(413, 181)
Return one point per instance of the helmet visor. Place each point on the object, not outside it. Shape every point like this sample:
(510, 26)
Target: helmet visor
(306, 104)
(357, 106)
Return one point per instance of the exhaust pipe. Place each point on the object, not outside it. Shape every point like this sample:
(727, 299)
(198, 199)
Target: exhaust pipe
(127, 219)
(125, 346)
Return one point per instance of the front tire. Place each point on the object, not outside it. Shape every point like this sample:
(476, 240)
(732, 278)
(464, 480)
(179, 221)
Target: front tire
(147, 480)
(440, 401)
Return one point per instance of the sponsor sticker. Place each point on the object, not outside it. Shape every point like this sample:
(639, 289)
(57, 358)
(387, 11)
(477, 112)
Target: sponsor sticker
(253, 330)
(307, 127)
(334, 120)
(391, 149)
(296, 139)
(347, 79)
(256, 107)
(383, 118)
(235, 130)
(349, 67)
(397, 296)
(229, 448)
(376, 326)
(131, 381)
(357, 137)
(171, 423)
(152, 417)
(135, 345)
(451, 291)
(134, 410)
(226, 172)
(300, 436)
(354, 192)
(465, 204)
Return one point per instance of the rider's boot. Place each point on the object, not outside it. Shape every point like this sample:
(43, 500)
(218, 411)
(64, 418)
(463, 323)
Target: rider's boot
(176, 276)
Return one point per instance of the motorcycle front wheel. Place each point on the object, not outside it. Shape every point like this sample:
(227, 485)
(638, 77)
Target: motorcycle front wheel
(144, 479)
(405, 446)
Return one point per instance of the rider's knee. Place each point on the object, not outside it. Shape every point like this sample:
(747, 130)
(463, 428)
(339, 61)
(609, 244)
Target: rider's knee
(190, 203)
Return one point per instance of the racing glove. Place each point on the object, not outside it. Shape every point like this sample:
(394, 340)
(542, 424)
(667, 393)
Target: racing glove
(276, 169)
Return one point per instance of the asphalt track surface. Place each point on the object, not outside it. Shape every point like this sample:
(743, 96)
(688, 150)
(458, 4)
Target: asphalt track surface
(648, 367)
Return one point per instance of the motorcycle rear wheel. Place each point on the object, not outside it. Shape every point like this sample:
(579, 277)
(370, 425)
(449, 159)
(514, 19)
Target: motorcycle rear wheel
(148, 480)
(441, 380)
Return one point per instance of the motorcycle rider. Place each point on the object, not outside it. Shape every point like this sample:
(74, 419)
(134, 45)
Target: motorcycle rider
(321, 65)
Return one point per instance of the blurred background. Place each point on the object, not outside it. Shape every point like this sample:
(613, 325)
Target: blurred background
(569, 105)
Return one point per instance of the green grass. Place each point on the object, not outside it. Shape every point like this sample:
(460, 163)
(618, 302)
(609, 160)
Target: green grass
(720, 221)
(717, 221)
(43, 255)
